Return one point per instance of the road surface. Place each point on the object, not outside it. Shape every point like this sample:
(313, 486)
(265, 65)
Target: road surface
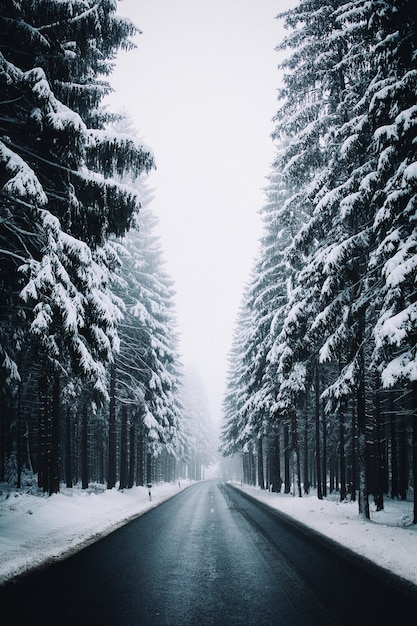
(208, 556)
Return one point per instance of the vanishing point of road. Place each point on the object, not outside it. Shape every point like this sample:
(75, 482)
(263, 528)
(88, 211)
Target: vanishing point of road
(210, 555)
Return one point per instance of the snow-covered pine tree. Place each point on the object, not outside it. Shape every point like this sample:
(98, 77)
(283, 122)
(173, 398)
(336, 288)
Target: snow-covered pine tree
(236, 429)
(392, 116)
(338, 281)
(382, 95)
(57, 166)
(275, 296)
(326, 311)
(305, 127)
(263, 308)
(346, 128)
(147, 367)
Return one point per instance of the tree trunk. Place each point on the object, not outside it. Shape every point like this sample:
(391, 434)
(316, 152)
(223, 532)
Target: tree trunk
(342, 460)
(148, 468)
(394, 451)
(55, 456)
(379, 457)
(306, 452)
(317, 422)
(111, 471)
(402, 458)
(3, 439)
(245, 467)
(19, 426)
(44, 443)
(261, 478)
(362, 446)
(140, 464)
(84, 448)
(124, 473)
(353, 481)
(68, 451)
(252, 466)
(414, 422)
(275, 462)
(296, 452)
(287, 478)
(324, 455)
(132, 454)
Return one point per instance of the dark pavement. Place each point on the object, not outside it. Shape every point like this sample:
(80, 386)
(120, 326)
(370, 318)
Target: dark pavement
(208, 556)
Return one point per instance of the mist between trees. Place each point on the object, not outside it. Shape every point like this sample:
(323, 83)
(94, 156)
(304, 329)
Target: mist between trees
(322, 386)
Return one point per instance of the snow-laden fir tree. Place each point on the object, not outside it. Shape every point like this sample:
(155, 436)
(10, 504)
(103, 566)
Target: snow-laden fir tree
(147, 370)
(60, 200)
(346, 163)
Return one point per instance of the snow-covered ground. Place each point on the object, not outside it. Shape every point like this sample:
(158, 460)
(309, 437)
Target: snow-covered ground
(38, 529)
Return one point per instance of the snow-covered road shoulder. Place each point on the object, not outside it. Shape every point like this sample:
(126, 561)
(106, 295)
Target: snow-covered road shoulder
(36, 530)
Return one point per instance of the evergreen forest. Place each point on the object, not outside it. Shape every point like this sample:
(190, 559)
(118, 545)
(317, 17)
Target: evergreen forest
(322, 383)
(92, 388)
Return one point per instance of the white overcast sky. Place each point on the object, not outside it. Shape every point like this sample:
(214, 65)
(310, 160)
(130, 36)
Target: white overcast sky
(201, 89)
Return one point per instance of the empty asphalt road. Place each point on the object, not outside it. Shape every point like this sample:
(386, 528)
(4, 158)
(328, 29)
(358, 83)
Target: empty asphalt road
(210, 555)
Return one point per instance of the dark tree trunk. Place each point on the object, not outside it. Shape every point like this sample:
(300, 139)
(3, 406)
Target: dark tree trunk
(379, 457)
(362, 445)
(84, 448)
(132, 454)
(252, 466)
(353, 482)
(245, 468)
(3, 439)
(148, 467)
(394, 450)
(324, 456)
(111, 471)
(342, 460)
(296, 452)
(19, 425)
(55, 462)
(44, 443)
(414, 440)
(287, 478)
(140, 458)
(68, 450)
(317, 422)
(275, 462)
(124, 450)
(403, 459)
(261, 478)
(306, 452)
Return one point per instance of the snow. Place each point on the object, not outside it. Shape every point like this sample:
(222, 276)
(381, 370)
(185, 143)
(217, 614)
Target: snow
(24, 182)
(37, 529)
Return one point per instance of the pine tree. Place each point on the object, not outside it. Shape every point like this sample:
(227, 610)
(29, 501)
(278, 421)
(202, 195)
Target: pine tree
(147, 367)
(60, 201)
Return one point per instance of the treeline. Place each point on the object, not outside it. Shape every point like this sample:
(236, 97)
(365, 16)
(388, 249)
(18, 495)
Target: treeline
(322, 386)
(89, 365)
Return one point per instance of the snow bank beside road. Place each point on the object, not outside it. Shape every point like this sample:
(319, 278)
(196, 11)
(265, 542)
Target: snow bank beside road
(388, 539)
(35, 529)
